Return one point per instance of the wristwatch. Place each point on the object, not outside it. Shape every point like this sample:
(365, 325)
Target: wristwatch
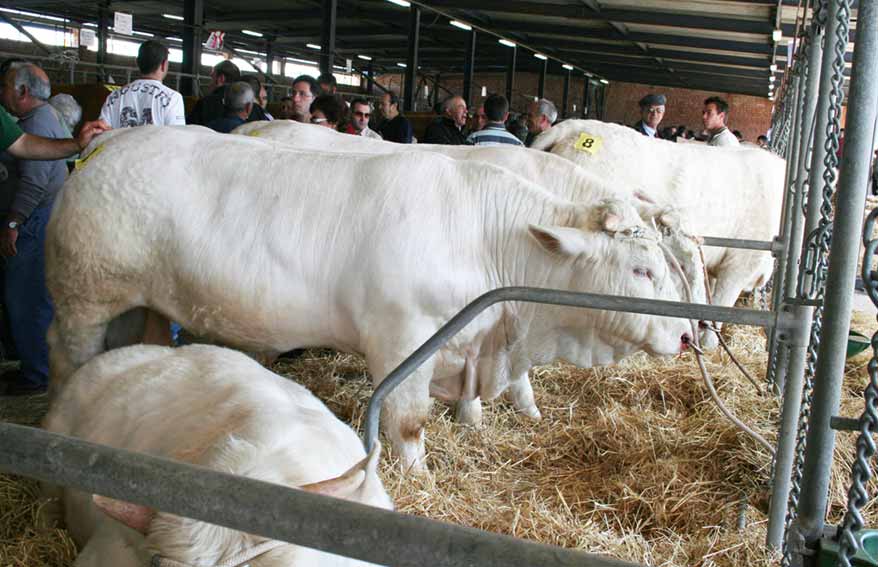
(13, 225)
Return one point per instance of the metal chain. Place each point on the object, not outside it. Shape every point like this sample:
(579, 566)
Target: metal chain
(858, 495)
(821, 239)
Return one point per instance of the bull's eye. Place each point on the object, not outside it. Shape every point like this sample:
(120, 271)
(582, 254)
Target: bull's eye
(643, 273)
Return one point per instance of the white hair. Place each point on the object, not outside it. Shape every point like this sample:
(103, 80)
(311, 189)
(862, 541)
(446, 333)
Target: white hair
(547, 108)
(25, 76)
(238, 96)
(68, 110)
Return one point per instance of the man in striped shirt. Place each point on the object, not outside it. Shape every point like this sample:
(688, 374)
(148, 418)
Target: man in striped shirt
(494, 133)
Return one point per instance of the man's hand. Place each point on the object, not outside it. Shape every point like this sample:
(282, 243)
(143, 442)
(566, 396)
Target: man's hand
(8, 236)
(89, 130)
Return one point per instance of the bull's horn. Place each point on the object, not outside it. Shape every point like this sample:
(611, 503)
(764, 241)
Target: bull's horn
(346, 484)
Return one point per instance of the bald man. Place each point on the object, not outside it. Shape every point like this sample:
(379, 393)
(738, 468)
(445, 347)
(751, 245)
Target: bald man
(26, 202)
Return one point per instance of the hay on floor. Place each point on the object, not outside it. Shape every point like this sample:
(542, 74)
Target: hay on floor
(632, 461)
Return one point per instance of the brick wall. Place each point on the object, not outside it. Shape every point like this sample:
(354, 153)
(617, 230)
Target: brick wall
(749, 114)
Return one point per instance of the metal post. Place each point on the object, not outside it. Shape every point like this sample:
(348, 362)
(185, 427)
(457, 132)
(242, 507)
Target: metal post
(269, 71)
(436, 90)
(510, 75)
(469, 66)
(370, 80)
(566, 96)
(585, 83)
(411, 69)
(541, 91)
(193, 20)
(797, 343)
(103, 25)
(850, 203)
(327, 36)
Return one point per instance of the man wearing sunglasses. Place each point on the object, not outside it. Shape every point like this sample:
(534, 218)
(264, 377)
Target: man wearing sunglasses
(652, 110)
(361, 110)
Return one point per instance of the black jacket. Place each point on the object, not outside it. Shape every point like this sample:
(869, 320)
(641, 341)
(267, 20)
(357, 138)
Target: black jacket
(443, 130)
(639, 128)
(208, 108)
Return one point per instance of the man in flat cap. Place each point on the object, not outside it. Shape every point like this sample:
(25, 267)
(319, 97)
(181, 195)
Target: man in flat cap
(652, 110)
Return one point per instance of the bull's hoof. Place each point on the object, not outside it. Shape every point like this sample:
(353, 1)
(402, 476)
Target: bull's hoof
(532, 412)
(469, 412)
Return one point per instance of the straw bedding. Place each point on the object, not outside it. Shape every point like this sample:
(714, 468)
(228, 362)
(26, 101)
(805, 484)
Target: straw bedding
(632, 461)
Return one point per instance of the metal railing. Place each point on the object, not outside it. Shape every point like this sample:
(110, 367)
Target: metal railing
(274, 511)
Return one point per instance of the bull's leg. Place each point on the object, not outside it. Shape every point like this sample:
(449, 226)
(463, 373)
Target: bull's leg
(521, 394)
(405, 410)
(469, 407)
(70, 348)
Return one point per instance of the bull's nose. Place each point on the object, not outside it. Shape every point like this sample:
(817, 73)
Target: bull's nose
(685, 341)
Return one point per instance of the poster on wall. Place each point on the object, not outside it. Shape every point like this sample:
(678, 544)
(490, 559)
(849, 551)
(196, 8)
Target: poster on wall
(87, 37)
(123, 23)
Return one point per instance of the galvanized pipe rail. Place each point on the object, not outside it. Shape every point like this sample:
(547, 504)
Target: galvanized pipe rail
(754, 317)
(772, 246)
(850, 204)
(274, 511)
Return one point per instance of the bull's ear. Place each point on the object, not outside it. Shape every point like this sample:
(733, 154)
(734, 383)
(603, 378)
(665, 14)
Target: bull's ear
(559, 240)
(134, 516)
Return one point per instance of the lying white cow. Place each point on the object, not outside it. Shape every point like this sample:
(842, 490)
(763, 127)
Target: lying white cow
(269, 248)
(731, 193)
(211, 407)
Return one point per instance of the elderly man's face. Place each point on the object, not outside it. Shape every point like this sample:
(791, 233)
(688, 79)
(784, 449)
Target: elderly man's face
(457, 111)
(302, 98)
(360, 116)
(10, 97)
(652, 115)
(536, 121)
(712, 118)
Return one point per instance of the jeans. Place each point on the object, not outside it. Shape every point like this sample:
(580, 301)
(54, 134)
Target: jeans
(28, 305)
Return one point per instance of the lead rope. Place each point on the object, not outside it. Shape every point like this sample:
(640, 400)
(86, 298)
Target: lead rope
(698, 354)
(712, 327)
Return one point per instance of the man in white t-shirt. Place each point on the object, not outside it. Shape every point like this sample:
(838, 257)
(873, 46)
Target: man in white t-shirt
(146, 100)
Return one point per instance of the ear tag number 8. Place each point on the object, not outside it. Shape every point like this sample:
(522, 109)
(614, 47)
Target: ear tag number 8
(588, 143)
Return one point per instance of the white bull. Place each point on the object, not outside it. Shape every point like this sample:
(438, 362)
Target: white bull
(268, 248)
(723, 192)
(551, 172)
(215, 408)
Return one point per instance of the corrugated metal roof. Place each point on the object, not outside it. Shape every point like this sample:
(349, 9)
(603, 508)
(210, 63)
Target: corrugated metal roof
(702, 44)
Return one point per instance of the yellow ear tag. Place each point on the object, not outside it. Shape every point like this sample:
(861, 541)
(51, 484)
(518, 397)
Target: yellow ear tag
(80, 163)
(588, 143)
(255, 133)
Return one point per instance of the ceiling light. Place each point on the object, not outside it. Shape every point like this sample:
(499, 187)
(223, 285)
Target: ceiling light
(506, 42)
(143, 33)
(313, 46)
(89, 24)
(568, 67)
(772, 68)
(771, 78)
(604, 81)
(172, 17)
(402, 3)
(174, 38)
(253, 33)
(777, 35)
(461, 25)
(540, 56)
(401, 65)
(364, 57)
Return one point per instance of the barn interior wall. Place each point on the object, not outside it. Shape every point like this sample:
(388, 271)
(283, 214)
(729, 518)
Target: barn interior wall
(526, 88)
(749, 114)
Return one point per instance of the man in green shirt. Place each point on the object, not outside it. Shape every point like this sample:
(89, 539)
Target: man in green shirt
(28, 146)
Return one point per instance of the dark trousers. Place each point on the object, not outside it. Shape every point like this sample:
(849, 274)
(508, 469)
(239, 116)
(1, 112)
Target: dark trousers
(28, 305)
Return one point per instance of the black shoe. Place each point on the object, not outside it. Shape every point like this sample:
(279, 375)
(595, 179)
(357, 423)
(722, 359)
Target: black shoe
(21, 388)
